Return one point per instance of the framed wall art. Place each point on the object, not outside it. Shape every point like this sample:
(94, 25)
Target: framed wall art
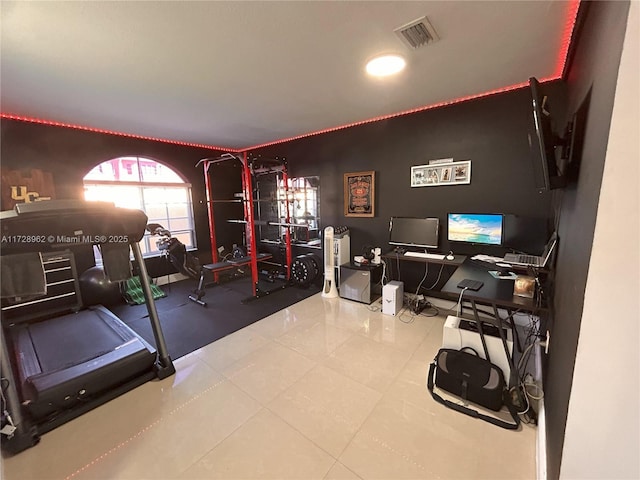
(359, 194)
(433, 175)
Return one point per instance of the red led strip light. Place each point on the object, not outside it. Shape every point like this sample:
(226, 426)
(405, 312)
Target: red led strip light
(567, 36)
(111, 132)
(398, 114)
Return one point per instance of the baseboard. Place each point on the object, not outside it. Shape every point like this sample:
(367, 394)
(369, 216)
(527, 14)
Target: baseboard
(541, 439)
(541, 445)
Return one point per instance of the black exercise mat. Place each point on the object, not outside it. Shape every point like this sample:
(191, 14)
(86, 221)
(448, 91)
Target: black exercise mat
(188, 326)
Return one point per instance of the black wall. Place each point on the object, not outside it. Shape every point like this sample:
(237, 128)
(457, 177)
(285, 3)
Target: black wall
(491, 132)
(592, 77)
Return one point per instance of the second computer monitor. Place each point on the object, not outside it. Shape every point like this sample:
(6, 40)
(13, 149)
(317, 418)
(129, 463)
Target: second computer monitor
(476, 228)
(413, 232)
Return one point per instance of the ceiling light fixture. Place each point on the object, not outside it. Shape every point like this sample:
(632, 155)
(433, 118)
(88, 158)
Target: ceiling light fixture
(385, 65)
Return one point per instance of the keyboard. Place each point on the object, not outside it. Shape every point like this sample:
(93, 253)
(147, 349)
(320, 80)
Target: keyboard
(471, 284)
(430, 256)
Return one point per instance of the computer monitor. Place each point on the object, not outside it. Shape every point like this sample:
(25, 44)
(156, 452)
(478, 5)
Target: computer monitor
(476, 228)
(414, 232)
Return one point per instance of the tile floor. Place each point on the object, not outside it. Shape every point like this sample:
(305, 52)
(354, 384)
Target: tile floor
(327, 389)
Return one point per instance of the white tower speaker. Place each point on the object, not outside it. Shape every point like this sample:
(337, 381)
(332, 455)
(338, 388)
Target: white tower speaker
(329, 290)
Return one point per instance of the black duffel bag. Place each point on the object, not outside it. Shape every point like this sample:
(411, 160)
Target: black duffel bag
(473, 379)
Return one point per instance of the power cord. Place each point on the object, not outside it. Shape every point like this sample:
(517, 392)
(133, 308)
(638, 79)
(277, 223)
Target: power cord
(402, 314)
(437, 279)
(384, 273)
(528, 391)
(416, 304)
(434, 311)
(519, 398)
(459, 304)
(533, 390)
(6, 422)
(426, 271)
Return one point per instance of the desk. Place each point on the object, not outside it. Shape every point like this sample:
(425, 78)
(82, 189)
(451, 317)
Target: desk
(445, 266)
(495, 291)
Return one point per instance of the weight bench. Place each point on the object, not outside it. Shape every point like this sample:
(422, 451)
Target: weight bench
(212, 268)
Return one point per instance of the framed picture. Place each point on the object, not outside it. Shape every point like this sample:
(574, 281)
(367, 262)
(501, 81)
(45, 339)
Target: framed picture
(431, 175)
(359, 194)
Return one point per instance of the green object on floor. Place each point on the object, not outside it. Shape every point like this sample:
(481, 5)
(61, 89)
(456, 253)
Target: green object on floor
(135, 296)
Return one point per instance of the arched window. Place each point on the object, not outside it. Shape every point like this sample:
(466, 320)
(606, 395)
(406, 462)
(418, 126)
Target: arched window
(142, 183)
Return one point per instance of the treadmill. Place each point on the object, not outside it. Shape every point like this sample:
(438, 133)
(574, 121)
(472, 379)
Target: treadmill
(59, 359)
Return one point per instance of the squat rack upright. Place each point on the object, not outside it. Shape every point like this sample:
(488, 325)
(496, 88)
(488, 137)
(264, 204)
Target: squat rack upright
(250, 169)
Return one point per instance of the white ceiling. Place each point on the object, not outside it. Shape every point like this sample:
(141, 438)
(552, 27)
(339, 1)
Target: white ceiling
(239, 73)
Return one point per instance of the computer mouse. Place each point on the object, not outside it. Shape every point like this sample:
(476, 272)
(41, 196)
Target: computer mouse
(450, 256)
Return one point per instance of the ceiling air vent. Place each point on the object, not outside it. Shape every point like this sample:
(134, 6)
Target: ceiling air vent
(417, 33)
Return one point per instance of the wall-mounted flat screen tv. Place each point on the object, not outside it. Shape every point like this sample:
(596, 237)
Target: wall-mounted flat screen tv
(414, 232)
(544, 142)
(476, 228)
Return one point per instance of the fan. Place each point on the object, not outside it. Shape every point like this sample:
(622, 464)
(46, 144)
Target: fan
(329, 290)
